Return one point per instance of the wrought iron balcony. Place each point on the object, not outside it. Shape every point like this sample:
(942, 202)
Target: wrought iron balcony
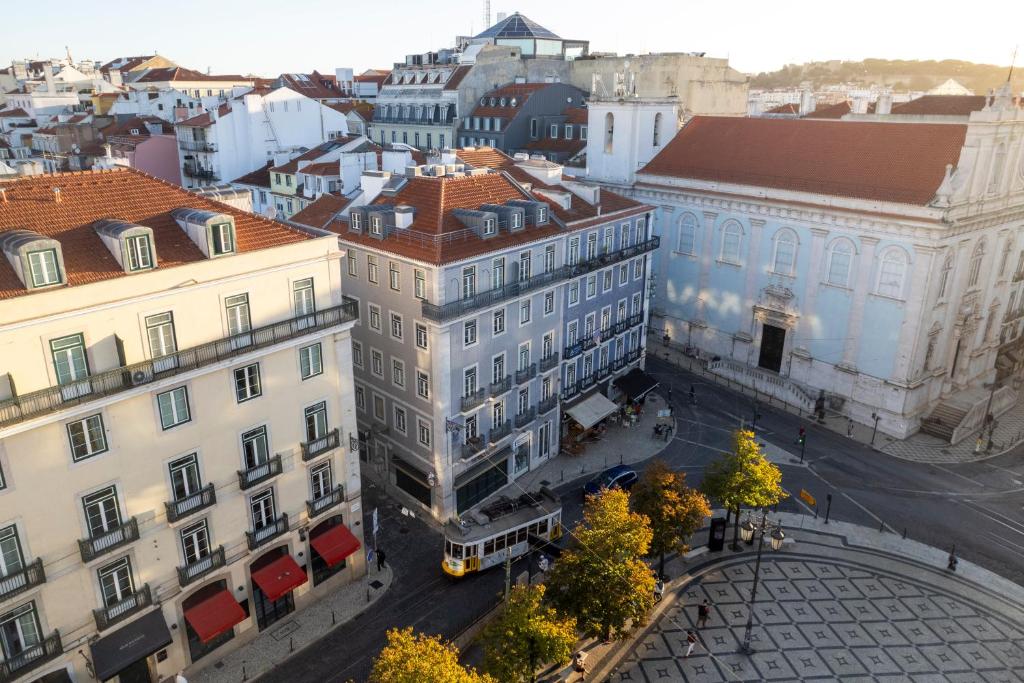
(523, 419)
(118, 537)
(30, 575)
(604, 371)
(570, 390)
(197, 146)
(618, 364)
(201, 567)
(578, 347)
(548, 362)
(31, 658)
(501, 431)
(200, 500)
(52, 399)
(548, 404)
(108, 616)
(473, 446)
(526, 374)
(260, 473)
(471, 401)
(334, 497)
(633, 355)
(279, 527)
(193, 171)
(501, 386)
(316, 447)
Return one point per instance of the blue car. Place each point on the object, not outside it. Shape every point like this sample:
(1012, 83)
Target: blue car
(618, 477)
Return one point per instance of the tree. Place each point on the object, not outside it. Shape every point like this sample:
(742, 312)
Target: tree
(526, 635)
(603, 581)
(743, 477)
(674, 509)
(414, 658)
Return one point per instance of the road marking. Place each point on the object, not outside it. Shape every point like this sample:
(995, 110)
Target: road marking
(1006, 541)
(1014, 526)
(702, 445)
(957, 474)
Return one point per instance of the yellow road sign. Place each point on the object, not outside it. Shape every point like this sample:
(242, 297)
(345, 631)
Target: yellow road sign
(807, 497)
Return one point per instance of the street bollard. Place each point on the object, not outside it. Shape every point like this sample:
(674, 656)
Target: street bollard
(881, 527)
(620, 458)
(334, 618)
(245, 676)
(367, 595)
(828, 507)
(904, 532)
(291, 645)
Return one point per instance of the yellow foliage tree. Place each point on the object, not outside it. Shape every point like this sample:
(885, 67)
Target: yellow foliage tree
(674, 509)
(415, 658)
(526, 635)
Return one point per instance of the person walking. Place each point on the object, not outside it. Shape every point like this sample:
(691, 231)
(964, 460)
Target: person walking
(380, 559)
(691, 642)
(668, 433)
(693, 395)
(579, 664)
(703, 613)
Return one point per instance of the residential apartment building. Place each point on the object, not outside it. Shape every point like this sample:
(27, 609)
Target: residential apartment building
(147, 144)
(176, 407)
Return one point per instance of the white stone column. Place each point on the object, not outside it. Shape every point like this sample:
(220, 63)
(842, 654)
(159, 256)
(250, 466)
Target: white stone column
(753, 266)
(951, 325)
(855, 318)
(810, 300)
(706, 259)
(910, 336)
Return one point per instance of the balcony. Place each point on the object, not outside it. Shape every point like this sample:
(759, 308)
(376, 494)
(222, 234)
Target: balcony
(260, 473)
(549, 362)
(317, 447)
(472, 400)
(27, 577)
(53, 399)
(197, 146)
(200, 500)
(193, 171)
(473, 446)
(578, 347)
(335, 497)
(526, 374)
(108, 616)
(523, 419)
(31, 658)
(547, 405)
(501, 386)
(279, 527)
(118, 537)
(201, 567)
(501, 431)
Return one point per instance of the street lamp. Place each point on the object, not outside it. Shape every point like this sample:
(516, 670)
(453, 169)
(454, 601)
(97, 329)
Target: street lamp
(747, 530)
(876, 417)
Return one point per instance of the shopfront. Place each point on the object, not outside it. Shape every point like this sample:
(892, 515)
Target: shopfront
(275, 575)
(128, 653)
(331, 543)
(211, 614)
(481, 480)
(411, 480)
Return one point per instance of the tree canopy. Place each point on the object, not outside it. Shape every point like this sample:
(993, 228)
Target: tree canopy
(415, 658)
(526, 635)
(744, 477)
(674, 509)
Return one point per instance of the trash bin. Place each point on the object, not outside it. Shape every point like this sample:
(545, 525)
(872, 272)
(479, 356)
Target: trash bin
(716, 537)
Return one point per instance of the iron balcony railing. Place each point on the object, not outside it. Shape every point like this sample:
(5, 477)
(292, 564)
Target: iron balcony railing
(501, 386)
(197, 146)
(199, 172)
(200, 500)
(30, 575)
(454, 309)
(474, 399)
(108, 616)
(579, 346)
(547, 404)
(52, 399)
(31, 657)
(473, 446)
(260, 473)
(548, 362)
(501, 431)
(278, 527)
(332, 498)
(201, 567)
(327, 442)
(523, 419)
(118, 537)
(353, 443)
(526, 374)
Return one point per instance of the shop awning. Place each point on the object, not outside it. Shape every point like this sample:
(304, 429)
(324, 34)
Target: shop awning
(114, 653)
(592, 410)
(636, 384)
(215, 615)
(335, 544)
(280, 577)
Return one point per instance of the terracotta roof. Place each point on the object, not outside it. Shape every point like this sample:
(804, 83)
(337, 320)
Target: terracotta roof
(378, 76)
(138, 123)
(78, 118)
(520, 91)
(557, 145)
(312, 155)
(580, 213)
(18, 112)
(831, 111)
(456, 78)
(484, 157)
(364, 109)
(260, 177)
(321, 212)
(576, 115)
(127, 195)
(311, 85)
(203, 120)
(125, 63)
(881, 161)
(321, 168)
(177, 73)
(790, 108)
(941, 105)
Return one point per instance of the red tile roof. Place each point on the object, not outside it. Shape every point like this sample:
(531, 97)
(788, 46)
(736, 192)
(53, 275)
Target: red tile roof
(18, 111)
(292, 166)
(124, 194)
(831, 111)
(456, 78)
(137, 123)
(125, 63)
(260, 177)
(557, 145)
(789, 108)
(881, 161)
(177, 73)
(484, 157)
(576, 115)
(203, 120)
(364, 109)
(314, 86)
(941, 105)
(321, 212)
(580, 213)
(378, 76)
(322, 168)
(520, 91)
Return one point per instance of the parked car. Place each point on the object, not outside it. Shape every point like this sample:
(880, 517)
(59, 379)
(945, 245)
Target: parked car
(618, 477)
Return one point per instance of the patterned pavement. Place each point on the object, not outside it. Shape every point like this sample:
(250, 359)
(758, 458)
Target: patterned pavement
(832, 614)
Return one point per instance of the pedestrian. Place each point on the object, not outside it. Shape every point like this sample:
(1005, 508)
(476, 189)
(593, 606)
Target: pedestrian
(703, 613)
(691, 642)
(670, 394)
(693, 395)
(380, 559)
(668, 433)
(849, 428)
(579, 664)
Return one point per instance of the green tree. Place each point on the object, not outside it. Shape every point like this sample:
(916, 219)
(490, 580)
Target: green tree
(415, 658)
(526, 635)
(603, 580)
(743, 477)
(674, 509)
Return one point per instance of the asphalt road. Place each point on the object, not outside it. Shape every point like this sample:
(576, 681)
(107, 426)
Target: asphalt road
(977, 507)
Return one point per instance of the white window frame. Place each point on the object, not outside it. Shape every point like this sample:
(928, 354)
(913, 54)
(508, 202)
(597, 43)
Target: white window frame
(421, 334)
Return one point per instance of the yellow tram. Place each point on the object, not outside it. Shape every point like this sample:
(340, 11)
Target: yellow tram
(484, 537)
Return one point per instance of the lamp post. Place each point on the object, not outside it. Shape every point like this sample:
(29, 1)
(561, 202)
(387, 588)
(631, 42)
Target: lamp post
(747, 530)
(876, 417)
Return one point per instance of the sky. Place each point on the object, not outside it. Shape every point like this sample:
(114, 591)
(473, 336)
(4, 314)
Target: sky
(268, 37)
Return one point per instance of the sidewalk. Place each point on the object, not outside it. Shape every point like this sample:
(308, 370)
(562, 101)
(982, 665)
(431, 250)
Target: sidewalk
(919, 447)
(301, 629)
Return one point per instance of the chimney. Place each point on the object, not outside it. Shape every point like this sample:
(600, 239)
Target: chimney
(48, 75)
(3, 195)
(56, 195)
(807, 103)
(403, 216)
(860, 105)
(884, 104)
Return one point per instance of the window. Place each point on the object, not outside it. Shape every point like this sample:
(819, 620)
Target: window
(732, 238)
(517, 220)
(468, 282)
(160, 331)
(523, 402)
(396, 326)
(583, 132)
(591, 246)
(360, 398)
(421, 336)
(589, 325)
(262, 509)
(195, 542)
(609, 132)
(635, 304)
(489, 226)
(469, 333)
(394, 276)
(371, 269)
(185, 479)
(784, 261)
(139, 253)
(102, 514)
(247, 382)
(356, 221)
(237, 310)
(625, 235)
(43, 265)
(840, 263)
(255, 448)
(12, 560)
(656, 135)
(423, 432)
(374, 317)
(533, 129)
(572, 332)
(638, 268)
(687, 233)
(892, 273)
(469, 381)
(472, 428)
(419, 284)
(302, 297)
(570, 375)
(524, 312)
(400, 419)
(320, 480)
(20, 634)
(422, 384)
(608, 280)
(311, 362)
(568, 131)
(497, 414)
(69, 362)
(87, 437)
(498, 368)
(549, 303)
(173, 406)
(974, 270)
(498, 273)
(553, 131)
(523, 357)
(222, 238)
(549, 257)
(315, 417)
(377, 362)
(608, 245)
(574, 293)
(574, 250)
(944, 276)
(591, 286)
(547, 345)
(499, 322)
(398, 373)
(623, 274)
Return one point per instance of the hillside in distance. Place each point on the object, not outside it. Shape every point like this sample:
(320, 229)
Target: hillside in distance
(895, 73)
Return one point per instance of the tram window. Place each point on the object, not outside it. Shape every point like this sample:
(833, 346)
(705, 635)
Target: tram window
(456, 551)
(542, 526)
(499, 543)
(488, 547)
(447, 547)
(471, 550)
(521, 535)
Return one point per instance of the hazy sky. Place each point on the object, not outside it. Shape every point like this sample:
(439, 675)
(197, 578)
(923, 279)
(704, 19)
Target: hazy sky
(268, 37)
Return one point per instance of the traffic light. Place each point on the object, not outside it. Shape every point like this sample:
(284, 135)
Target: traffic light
(803, 437)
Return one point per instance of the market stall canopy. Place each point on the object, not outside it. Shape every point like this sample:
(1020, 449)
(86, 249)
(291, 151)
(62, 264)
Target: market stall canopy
(636, 384)
(592, 410)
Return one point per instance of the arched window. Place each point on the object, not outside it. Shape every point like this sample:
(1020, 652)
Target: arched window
(945, 276)
(892, 273)
(1006, 257)
(995, 177)
(840, 263)
(688, 233)
(784, 260)
(609, 132)
(974, 272)
(732, 239)
(657, 129)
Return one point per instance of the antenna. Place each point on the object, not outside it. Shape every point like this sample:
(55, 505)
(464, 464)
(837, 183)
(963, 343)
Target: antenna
(1012, 62)
(487, 14)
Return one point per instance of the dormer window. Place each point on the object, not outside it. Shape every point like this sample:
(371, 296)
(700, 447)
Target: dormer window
(503, 101)
(134, 131)
(356, 222)
(139, 252)
(375, 225)
(36, 259)
(212, 232)
(222, 239)
(517, 220)
(489, 228)
(43, 268)
(542, 215)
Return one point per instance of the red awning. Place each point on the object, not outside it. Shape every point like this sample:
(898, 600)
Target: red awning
(335, 544)
(215, 615)
(279, 577)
